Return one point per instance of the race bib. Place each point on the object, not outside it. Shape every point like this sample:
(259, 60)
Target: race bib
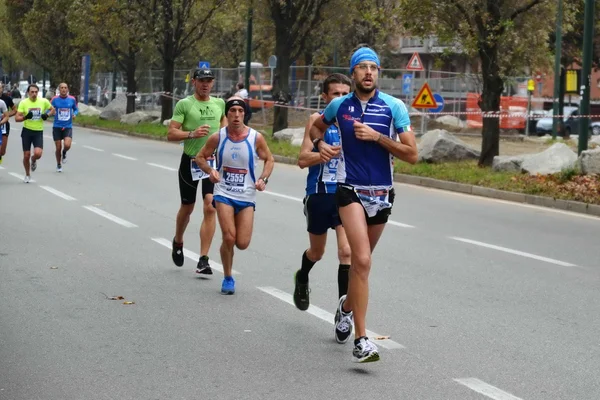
(3, 129)
(37, 114)
(330, 168)
(375, 201)
(234, 177)
(197, 173)
(64, 114)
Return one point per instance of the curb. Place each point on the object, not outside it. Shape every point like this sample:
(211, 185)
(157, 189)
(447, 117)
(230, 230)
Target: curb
(542, 201)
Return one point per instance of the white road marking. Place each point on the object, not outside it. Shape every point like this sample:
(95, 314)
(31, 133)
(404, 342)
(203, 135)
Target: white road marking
(485, 389)
(162, 166)
(58, 193)
(192, 256)
(111, 217)
(21, 177)
(516, 252)
(326, 316)
(1, 167)
(92, 148)
(285, 196)
(125, 157)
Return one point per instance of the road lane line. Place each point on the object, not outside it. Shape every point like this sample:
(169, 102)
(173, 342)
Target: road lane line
(111, 217)
(485, 389)
(285, 196)
(58, 193)
(192, 256)
(92, 148)
(516, 252)
(1, 167)
(123, 156)
(49, 137)
(21, 177)
(162, 166)
(326, 316)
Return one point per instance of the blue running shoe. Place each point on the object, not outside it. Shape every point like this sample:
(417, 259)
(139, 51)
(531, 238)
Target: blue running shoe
(228, 286)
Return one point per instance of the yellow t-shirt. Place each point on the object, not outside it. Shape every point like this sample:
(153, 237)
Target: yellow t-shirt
(37, 107)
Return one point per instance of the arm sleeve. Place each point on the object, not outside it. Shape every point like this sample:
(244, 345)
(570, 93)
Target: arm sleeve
(330, 113)
(179, 113)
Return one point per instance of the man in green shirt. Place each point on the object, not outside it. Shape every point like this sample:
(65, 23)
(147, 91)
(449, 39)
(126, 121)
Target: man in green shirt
(33, 111)
(195, 118)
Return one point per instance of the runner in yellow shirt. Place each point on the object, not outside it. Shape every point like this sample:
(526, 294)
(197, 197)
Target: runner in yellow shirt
(33, 111)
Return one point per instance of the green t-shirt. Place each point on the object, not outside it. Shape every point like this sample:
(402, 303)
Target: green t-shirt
(192, 113)
(37, 107)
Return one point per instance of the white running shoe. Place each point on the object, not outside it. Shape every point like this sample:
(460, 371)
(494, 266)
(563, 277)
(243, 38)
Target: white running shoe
(343, 323)
(26, 179)
(59, 168)
(365, 351)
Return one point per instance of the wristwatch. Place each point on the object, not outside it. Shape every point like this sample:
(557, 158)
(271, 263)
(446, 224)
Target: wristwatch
(265, 180)
(316, 142)
(190, 134)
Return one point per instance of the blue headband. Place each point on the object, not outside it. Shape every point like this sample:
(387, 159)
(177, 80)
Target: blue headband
(363, 54)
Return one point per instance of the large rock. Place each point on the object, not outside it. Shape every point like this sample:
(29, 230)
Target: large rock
(289, 134)
(508, 163)
(89, 111)
(589, 160)
(114, 115)
(136, 117)
(438, 146)
(595, 140)
(450, 121)
(550, 161)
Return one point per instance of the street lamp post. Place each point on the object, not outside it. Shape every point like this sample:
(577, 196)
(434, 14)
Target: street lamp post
(557, 74)
(584, 106)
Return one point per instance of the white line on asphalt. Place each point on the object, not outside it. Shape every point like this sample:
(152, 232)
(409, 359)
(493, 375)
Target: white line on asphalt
(1, 167)
(21, 177)
(125, 157)
(92, 148)
(285, 196)
(111, 217)
(517, 252)
(326, 316)
(58, 193)
(162, 166)
(49, 137)
(191, 255)
(485, 389)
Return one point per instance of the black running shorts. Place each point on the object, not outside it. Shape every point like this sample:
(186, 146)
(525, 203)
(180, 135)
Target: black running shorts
(29, 138)
(188, 187)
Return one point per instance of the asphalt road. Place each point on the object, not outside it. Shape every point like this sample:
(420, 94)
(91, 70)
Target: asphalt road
(482, 299)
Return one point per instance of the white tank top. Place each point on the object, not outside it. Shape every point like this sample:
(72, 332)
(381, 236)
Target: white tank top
(236, 162)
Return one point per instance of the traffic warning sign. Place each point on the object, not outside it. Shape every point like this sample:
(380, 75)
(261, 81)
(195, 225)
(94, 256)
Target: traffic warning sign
(425, 98)
(415, 63)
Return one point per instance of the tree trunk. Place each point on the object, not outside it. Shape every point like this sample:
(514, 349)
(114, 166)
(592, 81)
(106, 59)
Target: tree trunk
(131, 83)
(167, 96)
(492, 91)
(281, 84)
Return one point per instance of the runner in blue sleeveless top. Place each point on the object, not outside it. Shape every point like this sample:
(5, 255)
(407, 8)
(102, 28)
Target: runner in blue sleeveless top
(374, 128)
(320, 207)
(238, 149)
(62, 129)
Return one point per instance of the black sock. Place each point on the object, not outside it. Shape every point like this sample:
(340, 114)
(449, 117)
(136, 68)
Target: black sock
(358, 340)
(343, 279)
(305, 268)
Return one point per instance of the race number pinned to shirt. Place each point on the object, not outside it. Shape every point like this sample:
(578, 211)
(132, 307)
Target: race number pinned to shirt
(197, 173)
(330, 168)
(37, 114)
(235, 177)
(64, 114)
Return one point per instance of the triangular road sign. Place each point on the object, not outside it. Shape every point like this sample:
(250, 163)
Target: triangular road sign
(425, 98)
(415, 63)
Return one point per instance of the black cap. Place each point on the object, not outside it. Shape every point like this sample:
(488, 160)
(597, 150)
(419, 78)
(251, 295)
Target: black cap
(203, 74)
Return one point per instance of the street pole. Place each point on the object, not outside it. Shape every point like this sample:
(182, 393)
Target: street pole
(528, 112)
(557, 54)
(248, 48)
(584, 106)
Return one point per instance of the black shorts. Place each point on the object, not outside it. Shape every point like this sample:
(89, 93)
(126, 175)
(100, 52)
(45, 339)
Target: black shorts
(346, 196)
(29, 138)
(188, 187)
(61, 133)
(321, 213)
(7, 128)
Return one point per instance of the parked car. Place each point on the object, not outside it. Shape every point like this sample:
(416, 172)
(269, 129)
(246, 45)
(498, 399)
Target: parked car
(596, 128)
(571, 122)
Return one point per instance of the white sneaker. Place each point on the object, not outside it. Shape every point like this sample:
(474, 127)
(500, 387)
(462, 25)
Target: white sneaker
(27, 179)
(365, 351)
(59, 168)
(343, 323)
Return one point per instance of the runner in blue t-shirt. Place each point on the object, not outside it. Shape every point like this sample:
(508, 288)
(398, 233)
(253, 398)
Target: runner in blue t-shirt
(320, 207)
(370, 122)
(66, 110)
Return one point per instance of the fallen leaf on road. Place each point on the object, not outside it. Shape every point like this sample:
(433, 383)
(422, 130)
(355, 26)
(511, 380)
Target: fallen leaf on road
(129, 302)
(53, 267)
(381, 337)
(117, 298)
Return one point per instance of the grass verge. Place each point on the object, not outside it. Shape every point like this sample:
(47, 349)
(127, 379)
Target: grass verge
(568, 185)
